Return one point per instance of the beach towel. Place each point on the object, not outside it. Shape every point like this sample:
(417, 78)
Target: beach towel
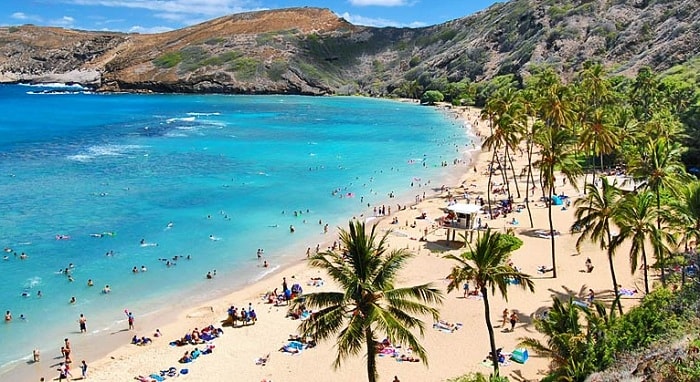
(157, 377)
(446, 327)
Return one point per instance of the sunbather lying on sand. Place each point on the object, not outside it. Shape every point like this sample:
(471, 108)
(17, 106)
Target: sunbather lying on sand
(263, 360)
(407, 358)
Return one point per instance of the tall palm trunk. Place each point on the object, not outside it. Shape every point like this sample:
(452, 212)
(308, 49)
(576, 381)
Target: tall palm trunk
(371, 356)
(503, 175)
(504, 171)
(489, 326)
(660, 254)
(612, 273)
(527, 183)
(488, 187)
(593, 166)
(515, 179)
(646, 270)
(551, 227)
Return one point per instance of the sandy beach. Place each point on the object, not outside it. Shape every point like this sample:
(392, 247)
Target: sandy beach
(451, 354)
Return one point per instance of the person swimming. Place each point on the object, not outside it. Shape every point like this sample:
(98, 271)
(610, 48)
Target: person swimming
(106, 289)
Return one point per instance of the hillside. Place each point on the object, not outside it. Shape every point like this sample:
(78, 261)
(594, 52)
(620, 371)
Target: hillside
(312, 51)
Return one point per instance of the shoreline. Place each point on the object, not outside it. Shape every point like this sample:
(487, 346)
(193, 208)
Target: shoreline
(100, 345)
(237, 349)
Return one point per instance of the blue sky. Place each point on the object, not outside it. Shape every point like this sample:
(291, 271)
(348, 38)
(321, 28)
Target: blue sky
(151, 16)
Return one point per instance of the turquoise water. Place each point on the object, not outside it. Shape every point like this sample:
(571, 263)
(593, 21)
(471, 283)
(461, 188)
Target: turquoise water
(228, 173)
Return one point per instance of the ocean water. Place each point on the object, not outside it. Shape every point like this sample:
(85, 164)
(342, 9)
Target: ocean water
(86, 178)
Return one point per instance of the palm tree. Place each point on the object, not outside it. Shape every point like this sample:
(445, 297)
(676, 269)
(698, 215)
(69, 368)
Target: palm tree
(645, 94)
(486, 264)
(566, 339)
(575, 349)
(685, 212)
(368, 304)
(635, 216)
(555, 153)
(598, 134)
(509, 119)
(594, 213)
(663, 171)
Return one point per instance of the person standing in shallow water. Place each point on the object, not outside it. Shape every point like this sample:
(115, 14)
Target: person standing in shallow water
(82, 321)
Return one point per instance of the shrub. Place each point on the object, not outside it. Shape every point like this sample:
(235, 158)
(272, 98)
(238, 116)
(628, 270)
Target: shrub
(245, 67)
(168, 60)
(276, 70)
(432, 96)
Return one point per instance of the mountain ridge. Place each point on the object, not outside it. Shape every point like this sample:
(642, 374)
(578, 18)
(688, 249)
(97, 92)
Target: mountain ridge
(313, 51)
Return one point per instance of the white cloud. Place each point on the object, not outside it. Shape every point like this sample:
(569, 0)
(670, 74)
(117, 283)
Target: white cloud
(148, 30)
(379, 22)
(65, 21)
(174, 9)
(381, 3)
(25, 17)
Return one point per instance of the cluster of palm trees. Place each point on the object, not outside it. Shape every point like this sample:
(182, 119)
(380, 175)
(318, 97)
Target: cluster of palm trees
(568, 127)
(564, 126)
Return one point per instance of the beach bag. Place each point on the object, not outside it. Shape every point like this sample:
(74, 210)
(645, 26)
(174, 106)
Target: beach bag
(520, 355)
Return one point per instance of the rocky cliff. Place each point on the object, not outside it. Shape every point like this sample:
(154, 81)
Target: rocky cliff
(312, 51)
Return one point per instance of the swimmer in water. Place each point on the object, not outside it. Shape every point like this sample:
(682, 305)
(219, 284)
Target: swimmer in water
(291, 229)
(106, 289)
(90, 283)
(170, 225)
(72, 300)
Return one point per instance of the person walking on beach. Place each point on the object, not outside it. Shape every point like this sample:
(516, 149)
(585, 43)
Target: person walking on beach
(130, 318)
(82, 322)
(466, 289)
(513, 321)
(504, 322)
(83, 369)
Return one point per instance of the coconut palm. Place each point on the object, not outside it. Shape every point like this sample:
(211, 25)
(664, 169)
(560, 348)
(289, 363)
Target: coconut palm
(685, 212)
(509, 120)
(636, 218)
(555, 153)
(575, 346)
(598, 134)
(663, 171)
(486, 265)
(369, 305)
(594, 213)
(645, 96)
(566, 341)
